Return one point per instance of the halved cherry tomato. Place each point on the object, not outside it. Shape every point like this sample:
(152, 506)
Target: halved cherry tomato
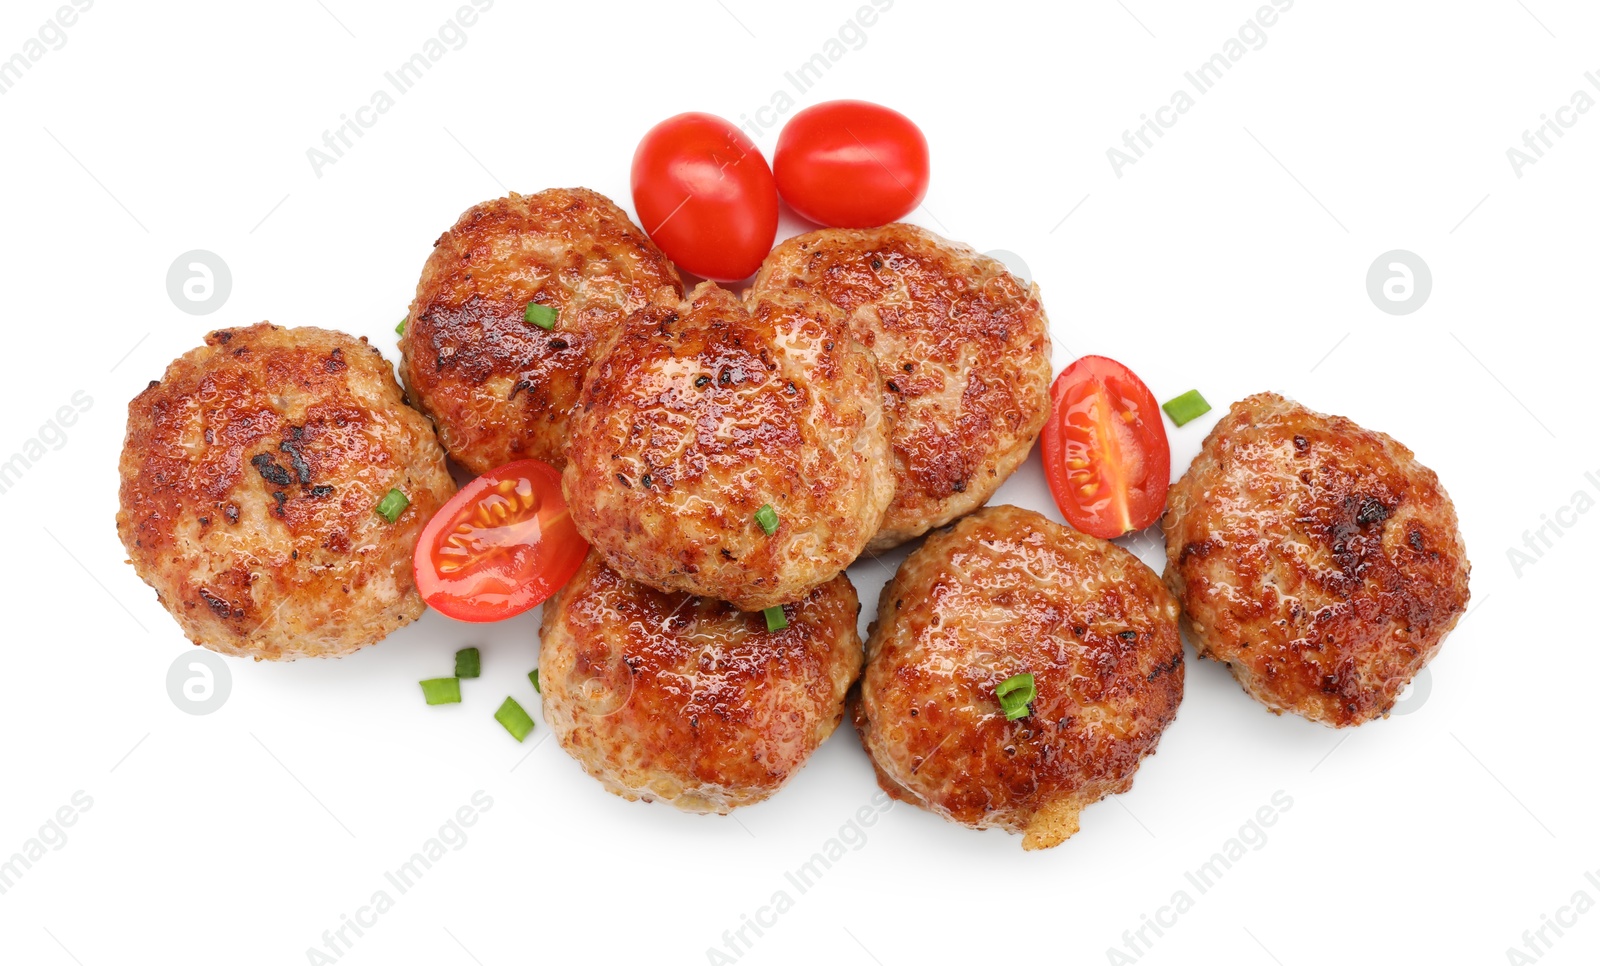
(705, 194)
(1105, 449)
(851, 164)
(502, 545)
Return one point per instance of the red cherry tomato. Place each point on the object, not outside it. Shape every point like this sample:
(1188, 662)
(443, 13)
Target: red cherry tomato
(705, 194)
(851, 164)
(502, 545)
(1105, 449)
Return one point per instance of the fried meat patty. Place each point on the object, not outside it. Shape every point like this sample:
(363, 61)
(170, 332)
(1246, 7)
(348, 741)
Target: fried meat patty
(250, 476)
(498, 386)
(962, 347)
(1004, 592)
(685, 700)
(1317, 559)
(699, 413)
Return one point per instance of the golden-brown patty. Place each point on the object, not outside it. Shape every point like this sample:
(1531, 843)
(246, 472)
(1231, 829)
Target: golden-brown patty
(1319, 560)
(1005, 592)
(250, 476)
(699, 413)
(498, 387)
(667, 697)
(962, 347)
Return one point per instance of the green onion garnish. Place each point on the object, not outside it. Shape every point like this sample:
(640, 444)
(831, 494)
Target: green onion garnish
(401, 328)
(541, 315)
(777, 620)
(768, 518)
(1015, 694)
(392, 505)
(1189, 406)
(441, 691)
(533, 676)
(514, 719)
(468, 662)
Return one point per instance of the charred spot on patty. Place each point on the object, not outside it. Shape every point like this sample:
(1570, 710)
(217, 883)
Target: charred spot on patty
(218, 606)
(270, 470)
(297, 459)
(1372, 511)
(1201, 549)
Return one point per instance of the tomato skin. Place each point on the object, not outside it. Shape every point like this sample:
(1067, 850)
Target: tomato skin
(502, 545)
(1105, 449)
(851, 164)
(705, 195)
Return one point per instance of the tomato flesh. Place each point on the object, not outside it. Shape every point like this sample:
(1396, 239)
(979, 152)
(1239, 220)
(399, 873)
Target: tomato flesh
(503, 544)
(705, 195)
(851, 164)
(1105, 449)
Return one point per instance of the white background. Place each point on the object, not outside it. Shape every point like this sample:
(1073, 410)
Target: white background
(1231, 258)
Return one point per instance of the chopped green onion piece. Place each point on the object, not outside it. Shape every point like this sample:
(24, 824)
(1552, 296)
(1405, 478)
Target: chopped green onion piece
(1015, 694)
(401, 328)
(541, 315)
(468, 663)
(1189, 406)
(514, 719)
(777, 620)
(441, 691)
(533, 676)
(392, 505)
(768, 518)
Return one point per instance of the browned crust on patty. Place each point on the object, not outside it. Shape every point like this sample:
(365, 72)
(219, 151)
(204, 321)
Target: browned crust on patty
(250, 474)
(963, 350)
(667, 697)
(499, 388)
(1318, 559)
(700, 412)
(1006, 591)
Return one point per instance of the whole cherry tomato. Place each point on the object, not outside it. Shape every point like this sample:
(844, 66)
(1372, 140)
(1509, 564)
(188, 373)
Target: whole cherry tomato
(851, 164)
(705, 195)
